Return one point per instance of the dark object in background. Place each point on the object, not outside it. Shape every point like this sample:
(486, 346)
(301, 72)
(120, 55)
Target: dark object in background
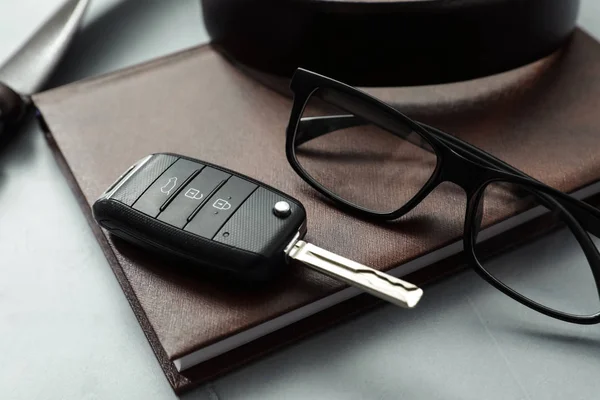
(389, 43)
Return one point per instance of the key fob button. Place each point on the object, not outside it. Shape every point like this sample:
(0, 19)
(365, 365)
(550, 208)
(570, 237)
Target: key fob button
(282, 209)
(166, 185)
(193, 195)
(255, 228)
(217, 210)
(130, 186)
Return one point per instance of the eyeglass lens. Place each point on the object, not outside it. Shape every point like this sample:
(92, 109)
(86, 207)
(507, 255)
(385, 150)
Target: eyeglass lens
(376, 167)
(549, 269)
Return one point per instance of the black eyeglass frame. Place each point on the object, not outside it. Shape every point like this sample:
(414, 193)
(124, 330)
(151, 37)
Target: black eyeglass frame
(458, 162)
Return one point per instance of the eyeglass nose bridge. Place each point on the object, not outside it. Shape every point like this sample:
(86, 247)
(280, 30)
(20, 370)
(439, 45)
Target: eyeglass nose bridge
(461, 171)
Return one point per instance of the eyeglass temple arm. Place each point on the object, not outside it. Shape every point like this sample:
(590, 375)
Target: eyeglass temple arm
(313, 127)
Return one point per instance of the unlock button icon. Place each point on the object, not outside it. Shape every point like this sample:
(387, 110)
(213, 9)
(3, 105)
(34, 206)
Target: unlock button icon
(194, 194)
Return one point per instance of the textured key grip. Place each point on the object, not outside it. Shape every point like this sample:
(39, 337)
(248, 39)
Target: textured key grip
(248, 246)
(255, 227)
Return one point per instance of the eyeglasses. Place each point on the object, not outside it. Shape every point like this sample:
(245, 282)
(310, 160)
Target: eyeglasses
(370, 159)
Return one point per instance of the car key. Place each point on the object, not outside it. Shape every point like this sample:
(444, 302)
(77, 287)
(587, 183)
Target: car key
(219, 219)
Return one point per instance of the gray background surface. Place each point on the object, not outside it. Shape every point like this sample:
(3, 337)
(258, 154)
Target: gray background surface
(67, 331)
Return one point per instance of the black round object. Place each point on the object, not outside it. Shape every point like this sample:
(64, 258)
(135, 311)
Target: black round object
(389, 42)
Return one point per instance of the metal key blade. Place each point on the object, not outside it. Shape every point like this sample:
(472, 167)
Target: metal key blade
(377, 283)
(27, 70)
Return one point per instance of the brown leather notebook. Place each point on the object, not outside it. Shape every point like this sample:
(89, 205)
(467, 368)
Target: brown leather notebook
(543, 119)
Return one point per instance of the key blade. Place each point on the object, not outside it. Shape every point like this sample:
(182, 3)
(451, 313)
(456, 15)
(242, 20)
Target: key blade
(377, 283)
(29, 67)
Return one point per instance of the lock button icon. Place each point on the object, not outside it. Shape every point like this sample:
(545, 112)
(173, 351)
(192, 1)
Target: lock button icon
(221, 204)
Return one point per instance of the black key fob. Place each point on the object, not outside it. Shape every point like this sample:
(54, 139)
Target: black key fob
(204, 214)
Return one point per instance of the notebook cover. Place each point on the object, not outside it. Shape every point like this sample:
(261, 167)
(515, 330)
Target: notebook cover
(542, 118)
